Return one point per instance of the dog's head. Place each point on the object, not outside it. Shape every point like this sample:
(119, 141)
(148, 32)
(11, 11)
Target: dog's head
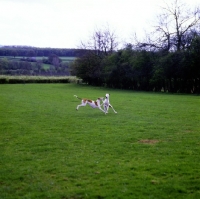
(100, 98)
(107, 95)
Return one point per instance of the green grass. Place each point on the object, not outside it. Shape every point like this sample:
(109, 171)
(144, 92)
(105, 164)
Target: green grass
(149, 149)
(68, 59)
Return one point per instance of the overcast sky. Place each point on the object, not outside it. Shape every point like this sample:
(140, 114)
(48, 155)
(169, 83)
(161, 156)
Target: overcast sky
(65, 23)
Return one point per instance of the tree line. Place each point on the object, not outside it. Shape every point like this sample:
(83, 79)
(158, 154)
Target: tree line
(28, 51)
(168, 59)
(143, 70)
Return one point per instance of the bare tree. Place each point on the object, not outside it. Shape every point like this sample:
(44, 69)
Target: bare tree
(174, 25)
(102, 42)
(89, 67)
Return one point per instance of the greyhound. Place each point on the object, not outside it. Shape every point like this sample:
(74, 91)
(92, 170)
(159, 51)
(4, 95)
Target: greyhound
(106, 104)
(92, 103)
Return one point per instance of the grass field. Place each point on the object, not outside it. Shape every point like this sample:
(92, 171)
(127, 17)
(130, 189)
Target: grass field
(149, 149)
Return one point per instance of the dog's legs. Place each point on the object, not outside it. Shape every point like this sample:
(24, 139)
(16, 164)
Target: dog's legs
(105, 108)
(83, 104)
(102, 109)
(112, 108)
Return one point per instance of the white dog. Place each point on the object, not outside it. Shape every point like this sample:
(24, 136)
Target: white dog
(106, 104)
(92, 103)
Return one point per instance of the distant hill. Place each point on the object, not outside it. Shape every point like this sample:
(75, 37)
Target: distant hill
(27, 51)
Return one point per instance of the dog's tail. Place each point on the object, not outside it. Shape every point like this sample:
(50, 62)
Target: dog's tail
(77, 97)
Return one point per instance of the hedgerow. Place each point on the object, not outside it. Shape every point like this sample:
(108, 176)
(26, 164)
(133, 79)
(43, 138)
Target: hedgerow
(37, 79)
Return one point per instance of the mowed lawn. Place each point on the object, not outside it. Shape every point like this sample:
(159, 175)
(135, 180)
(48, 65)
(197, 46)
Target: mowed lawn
(149, 149)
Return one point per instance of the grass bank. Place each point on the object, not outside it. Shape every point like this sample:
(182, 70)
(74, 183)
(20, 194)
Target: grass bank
(149, 149)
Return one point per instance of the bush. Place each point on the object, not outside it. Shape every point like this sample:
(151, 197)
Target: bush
(3, 80)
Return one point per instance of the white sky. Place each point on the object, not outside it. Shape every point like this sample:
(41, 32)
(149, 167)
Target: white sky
(65, 23)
